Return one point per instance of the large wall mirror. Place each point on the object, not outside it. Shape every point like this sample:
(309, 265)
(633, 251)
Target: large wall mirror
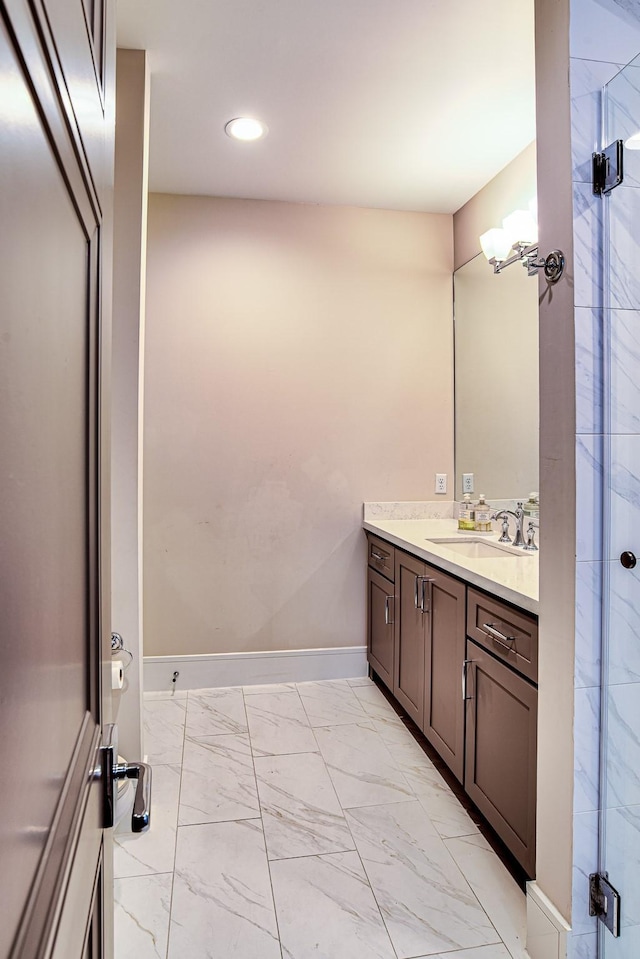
(496, 380)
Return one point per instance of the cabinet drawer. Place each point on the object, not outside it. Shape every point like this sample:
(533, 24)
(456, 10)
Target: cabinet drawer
(509, 634)
(381, 556)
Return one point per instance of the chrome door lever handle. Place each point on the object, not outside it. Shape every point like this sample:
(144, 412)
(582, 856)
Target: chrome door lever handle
(110, 770)
(141, 815)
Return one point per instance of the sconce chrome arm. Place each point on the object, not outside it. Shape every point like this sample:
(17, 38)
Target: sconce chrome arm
(553, 264)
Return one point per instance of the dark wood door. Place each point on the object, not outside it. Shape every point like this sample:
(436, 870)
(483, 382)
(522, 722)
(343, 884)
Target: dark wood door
(380, 617)
(444, 655)
(500, 766)
(56, 138)
(408, 687)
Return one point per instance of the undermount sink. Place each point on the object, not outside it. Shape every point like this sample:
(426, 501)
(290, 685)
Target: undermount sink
(479, 548)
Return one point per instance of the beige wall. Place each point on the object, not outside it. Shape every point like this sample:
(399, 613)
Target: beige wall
(298, 363)
(510, 190)
(130, 218)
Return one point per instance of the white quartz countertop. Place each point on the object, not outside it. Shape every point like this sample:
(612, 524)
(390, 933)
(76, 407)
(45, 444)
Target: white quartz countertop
(514, 579)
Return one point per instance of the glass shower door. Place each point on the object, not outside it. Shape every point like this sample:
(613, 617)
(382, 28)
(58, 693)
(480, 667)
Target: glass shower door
(620, 717)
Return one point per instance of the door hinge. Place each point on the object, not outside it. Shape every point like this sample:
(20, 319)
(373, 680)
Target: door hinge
(604, 902)
(608, 168)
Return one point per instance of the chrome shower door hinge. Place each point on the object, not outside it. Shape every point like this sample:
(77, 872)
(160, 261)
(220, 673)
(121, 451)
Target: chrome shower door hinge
(604, 902)
(608, 168)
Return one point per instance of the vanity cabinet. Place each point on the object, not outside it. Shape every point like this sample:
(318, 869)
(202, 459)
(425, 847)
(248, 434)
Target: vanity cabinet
(464, 666)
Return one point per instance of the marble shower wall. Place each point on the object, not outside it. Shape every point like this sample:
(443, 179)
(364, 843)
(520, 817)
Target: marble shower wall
(605, 34)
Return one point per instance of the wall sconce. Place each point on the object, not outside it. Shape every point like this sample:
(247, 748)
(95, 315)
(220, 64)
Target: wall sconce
(517, 242)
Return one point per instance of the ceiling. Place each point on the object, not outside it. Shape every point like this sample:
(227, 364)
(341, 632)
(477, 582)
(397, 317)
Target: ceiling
(396, 104)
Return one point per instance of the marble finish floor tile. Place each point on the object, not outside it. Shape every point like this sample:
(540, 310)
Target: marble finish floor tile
(495, 951)
(428, 786)
(278, 725)
(222, 900)
(498, 893)
(141, 916)
(360, 681)
(326, 909)
(141, 854)
(215, 712)
(330, 703)
(173, 694)
(393, 732)
(164, 730)
(273, 688)
(361, 766)
(425, 902)
(375, 703)
(218, 781)
(300, 810)
(240, 764)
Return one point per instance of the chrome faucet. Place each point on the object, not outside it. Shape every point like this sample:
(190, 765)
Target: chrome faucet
(518, 516)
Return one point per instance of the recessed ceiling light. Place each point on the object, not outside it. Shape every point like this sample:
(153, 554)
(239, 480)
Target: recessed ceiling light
(245, 128)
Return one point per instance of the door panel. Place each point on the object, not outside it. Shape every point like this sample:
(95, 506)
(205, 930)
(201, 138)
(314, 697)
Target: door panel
(500, 765)
(50, 585)
(445, 648)
(410, 638)
(619, 759)
(380, 605)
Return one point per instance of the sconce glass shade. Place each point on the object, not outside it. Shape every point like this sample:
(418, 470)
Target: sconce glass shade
(633, 143)
(521, 227)
(495, 244)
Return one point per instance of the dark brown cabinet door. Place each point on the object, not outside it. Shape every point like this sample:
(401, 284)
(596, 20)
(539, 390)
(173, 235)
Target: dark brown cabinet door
(410, 627)
(381, 636)
(500, 766)
(444, 654)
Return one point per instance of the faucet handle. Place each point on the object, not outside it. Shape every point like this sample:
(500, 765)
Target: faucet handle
(531, 534)
(504, 516)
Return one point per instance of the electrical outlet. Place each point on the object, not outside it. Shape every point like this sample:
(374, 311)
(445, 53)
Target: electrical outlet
(467, 482)
(441, 482)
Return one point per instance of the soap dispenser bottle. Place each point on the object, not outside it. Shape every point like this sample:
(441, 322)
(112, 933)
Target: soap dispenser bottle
(466, 515)
(483, 516)
(532, 506)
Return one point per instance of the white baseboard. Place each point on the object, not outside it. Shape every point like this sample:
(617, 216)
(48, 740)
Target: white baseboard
(547, 930)
(248, 669)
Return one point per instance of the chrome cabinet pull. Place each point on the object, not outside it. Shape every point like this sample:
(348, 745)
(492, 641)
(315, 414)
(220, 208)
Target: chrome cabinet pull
(507, 642)
(387, 614)
(465, 663)
(426, 581)
(379, 558)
